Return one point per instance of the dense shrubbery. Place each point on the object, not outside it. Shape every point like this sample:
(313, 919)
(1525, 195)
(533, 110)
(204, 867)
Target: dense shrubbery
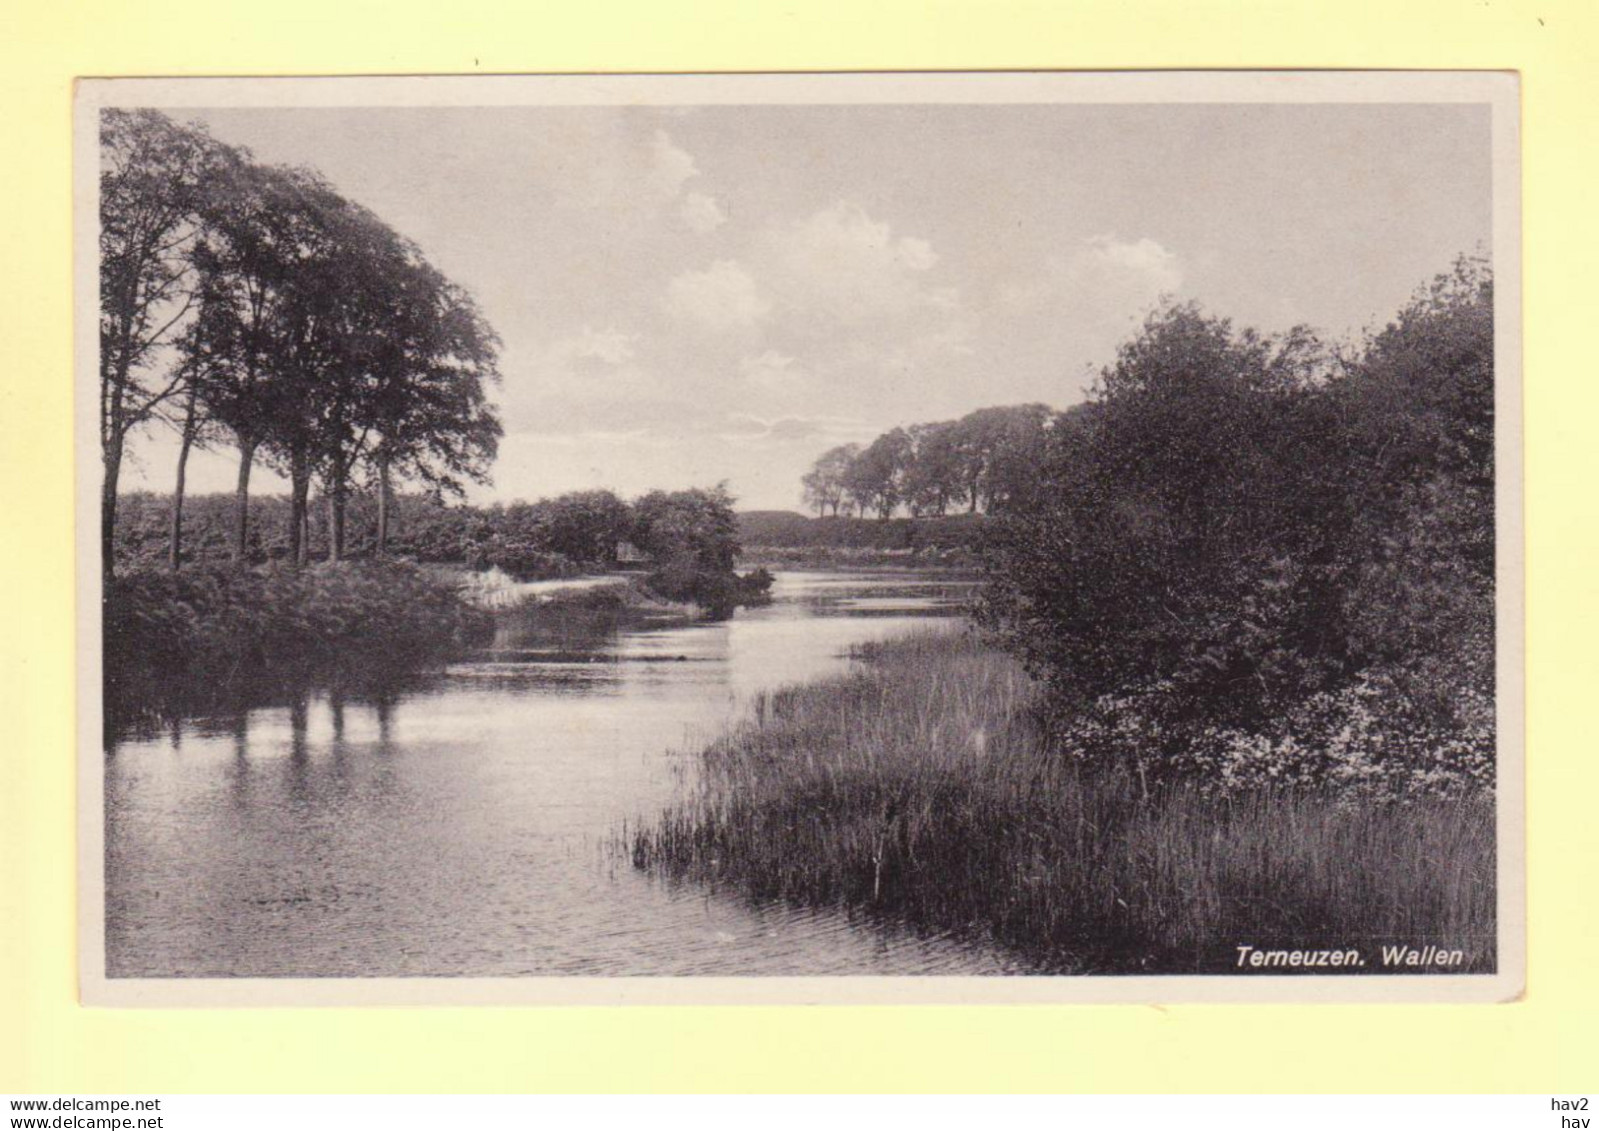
(1247, 557)
(209, 637)
(692, 539)
(522, 559)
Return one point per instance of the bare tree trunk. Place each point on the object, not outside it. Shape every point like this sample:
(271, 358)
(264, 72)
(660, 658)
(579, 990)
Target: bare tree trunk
(241, 505)
(113, 434)
(108, 505)
(299, 492)
(381, 548)
(336, 520)
(175, 548)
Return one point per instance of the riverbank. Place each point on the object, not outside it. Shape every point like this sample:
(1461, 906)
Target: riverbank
(454, 828)
(920, 788)
(213, 638)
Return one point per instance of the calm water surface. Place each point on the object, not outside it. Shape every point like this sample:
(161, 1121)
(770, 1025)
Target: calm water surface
(465, 827)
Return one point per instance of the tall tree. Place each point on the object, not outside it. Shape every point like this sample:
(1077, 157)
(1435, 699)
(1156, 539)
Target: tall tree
(933, 478)
(823, 484)
(1169, 539)
(992, 450)
(432, 420)
(1416, 410)
(193, 425)
(153, 174)
(249, 317)
(876, 477)
(322, 371)
(291, 307)
(1015, 440)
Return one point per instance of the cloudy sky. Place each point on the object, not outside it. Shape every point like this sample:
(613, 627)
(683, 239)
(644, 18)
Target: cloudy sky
(699, 294)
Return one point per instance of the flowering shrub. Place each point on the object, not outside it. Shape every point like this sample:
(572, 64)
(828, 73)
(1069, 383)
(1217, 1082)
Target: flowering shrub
(1376, 738)
(1372, 738)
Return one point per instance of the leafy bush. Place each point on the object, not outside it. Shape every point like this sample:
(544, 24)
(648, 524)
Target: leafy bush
(1249, 558)
(208, 637)
(718, 593)
(522, 560)
(692, 537)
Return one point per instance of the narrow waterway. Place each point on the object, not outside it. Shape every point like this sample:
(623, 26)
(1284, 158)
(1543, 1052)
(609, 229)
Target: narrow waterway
(466, 826)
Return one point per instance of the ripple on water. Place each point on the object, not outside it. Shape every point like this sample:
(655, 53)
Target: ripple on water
(461, 828)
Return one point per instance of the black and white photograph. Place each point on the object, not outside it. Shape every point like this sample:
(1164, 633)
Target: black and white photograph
(790, 538)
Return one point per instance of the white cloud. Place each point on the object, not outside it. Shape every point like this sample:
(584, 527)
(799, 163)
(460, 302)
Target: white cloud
(746, 430)
(771, 370)
(702, 213)
(603, 167)
(1104, 273)
(610, 346)
(669, 166)
(794, 428)
(1141, 264)
(586, 437)
(723, 297)
(1050, 333)
(841, 262)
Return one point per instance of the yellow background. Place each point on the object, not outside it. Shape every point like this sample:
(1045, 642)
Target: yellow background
(1548, 1042)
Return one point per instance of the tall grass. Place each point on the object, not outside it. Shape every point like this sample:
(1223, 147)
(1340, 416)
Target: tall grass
(920, 788)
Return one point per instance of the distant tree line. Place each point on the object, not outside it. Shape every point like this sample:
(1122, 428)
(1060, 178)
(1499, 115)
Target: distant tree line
(253, 306)
(975, 464)
(1266, 558)
(792, 529)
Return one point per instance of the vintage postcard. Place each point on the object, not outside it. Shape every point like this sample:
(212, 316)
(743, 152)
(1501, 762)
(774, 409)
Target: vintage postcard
(1026, 537)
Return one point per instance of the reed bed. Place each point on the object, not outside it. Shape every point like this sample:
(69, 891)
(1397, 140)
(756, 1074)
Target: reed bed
(919, 788)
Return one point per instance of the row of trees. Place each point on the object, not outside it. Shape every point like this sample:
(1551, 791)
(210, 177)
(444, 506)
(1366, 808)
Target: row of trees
(977, 463)
(255, 306)
(689, 540)
(549, 537)
(1268, 557)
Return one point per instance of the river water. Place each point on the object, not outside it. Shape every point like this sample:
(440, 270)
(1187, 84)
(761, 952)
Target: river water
(467, 825)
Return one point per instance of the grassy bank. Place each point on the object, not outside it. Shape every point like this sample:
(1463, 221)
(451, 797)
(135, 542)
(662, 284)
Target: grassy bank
(919, 788)
(213, 638)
